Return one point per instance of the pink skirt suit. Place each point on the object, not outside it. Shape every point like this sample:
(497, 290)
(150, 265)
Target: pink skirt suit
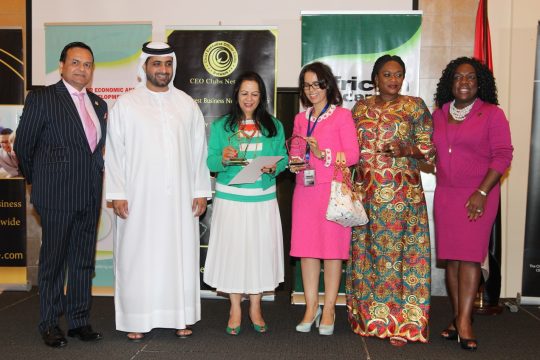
(465, 152)
(312, 236)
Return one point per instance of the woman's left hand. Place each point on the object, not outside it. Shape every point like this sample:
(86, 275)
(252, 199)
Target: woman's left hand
(269, 169)
(314, 146)
(396, 150)
(475, 206)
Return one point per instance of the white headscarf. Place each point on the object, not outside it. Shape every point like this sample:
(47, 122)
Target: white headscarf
(154, 48)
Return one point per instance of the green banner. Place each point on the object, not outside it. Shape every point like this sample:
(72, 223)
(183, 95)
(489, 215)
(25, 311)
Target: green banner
(350, 43)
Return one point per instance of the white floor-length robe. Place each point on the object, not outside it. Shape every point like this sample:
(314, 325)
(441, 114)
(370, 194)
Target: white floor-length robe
(156, 160)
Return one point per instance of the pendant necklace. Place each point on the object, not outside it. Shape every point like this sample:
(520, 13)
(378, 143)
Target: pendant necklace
(459, 115)
(450, 141)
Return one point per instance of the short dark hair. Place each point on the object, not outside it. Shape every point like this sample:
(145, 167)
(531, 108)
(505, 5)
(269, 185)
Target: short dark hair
(6, 131)
(261, 117)
(75, 44)
(487, 89)
(379, 63)
(326, 80)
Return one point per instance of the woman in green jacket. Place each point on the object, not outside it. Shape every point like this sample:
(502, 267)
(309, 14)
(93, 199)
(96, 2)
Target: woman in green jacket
(245, 250)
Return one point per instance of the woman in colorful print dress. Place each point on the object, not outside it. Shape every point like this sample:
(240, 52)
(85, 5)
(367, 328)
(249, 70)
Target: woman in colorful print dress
(388, 272)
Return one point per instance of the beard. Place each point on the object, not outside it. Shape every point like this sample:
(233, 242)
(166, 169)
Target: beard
(158, 82)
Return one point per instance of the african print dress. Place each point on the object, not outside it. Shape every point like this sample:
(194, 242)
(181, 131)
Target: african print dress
(388, 271)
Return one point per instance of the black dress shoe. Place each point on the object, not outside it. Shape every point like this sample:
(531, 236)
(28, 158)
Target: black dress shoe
(54, 337)
(85, 333)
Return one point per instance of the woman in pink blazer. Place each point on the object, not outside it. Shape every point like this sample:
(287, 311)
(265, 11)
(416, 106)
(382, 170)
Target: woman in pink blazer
(328, 129)
(472, 138)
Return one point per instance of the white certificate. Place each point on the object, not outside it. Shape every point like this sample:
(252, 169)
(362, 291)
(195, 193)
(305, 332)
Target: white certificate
(252, 172)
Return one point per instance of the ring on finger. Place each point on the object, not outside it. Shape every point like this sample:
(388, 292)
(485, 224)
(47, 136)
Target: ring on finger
(479, 211)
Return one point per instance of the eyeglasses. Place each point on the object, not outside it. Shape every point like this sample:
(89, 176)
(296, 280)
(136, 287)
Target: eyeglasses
(316, 85)
(467, 77)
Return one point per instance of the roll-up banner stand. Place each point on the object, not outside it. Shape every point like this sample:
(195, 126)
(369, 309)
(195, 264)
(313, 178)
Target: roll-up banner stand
(13, 239)
(209, 60)
(530, 288)
(11, 67)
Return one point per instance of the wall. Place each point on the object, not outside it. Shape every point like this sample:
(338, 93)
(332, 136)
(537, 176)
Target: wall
(514, 25)
(286, 17)
(447, 32)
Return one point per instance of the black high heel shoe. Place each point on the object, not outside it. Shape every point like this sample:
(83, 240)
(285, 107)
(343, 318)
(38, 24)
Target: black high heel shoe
(466, 344)
(450, 334)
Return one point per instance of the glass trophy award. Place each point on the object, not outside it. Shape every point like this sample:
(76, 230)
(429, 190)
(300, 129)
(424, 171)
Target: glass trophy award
(240, 142)
(297, 147)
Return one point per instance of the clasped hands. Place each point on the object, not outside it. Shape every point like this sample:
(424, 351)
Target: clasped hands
(120, 207)
(396, 149)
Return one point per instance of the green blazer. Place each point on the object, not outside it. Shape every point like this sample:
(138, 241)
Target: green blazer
(219, 139)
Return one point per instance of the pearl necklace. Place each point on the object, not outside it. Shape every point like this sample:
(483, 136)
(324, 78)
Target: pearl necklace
(460, 114)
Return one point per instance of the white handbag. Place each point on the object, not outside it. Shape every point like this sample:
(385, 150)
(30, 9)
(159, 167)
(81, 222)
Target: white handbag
(345, 206)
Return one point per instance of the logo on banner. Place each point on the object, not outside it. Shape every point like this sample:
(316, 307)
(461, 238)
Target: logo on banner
(220, 58)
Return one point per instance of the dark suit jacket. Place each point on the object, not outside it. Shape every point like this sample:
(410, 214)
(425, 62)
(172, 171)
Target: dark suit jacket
(54, 155)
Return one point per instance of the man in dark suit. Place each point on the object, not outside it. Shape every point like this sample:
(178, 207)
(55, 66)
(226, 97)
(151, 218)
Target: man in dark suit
(59, 144)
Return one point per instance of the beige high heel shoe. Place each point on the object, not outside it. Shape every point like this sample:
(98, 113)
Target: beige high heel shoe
(327, 329)
(305, 327)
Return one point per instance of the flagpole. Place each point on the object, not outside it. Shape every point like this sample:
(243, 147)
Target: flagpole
(489, 291)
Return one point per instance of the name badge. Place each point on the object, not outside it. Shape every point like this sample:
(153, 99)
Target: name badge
(309, 177)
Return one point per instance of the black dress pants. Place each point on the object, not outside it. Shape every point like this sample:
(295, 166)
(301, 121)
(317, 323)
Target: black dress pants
(68, 245)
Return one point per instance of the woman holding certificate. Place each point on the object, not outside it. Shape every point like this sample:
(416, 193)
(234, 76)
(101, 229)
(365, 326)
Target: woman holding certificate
(325, 129)
(245, 251)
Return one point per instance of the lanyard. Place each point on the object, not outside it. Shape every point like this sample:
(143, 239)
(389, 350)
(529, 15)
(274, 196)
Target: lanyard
(310, 129)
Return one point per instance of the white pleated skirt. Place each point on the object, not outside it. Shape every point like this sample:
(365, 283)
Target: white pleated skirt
(245, 248)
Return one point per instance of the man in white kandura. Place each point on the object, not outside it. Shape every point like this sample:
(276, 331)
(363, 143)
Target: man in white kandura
(158, 182)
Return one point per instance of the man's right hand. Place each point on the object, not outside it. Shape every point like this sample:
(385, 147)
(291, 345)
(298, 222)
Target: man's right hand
(121, 208)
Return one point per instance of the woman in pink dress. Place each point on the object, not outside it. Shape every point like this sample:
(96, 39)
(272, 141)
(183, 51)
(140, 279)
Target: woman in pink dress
(328, 129)
(472, 138)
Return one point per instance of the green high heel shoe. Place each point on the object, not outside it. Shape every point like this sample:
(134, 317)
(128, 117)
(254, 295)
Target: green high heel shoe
(259, 328)
(233, 331)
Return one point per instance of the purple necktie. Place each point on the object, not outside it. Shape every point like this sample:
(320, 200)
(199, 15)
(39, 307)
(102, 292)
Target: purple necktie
(88, 124)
